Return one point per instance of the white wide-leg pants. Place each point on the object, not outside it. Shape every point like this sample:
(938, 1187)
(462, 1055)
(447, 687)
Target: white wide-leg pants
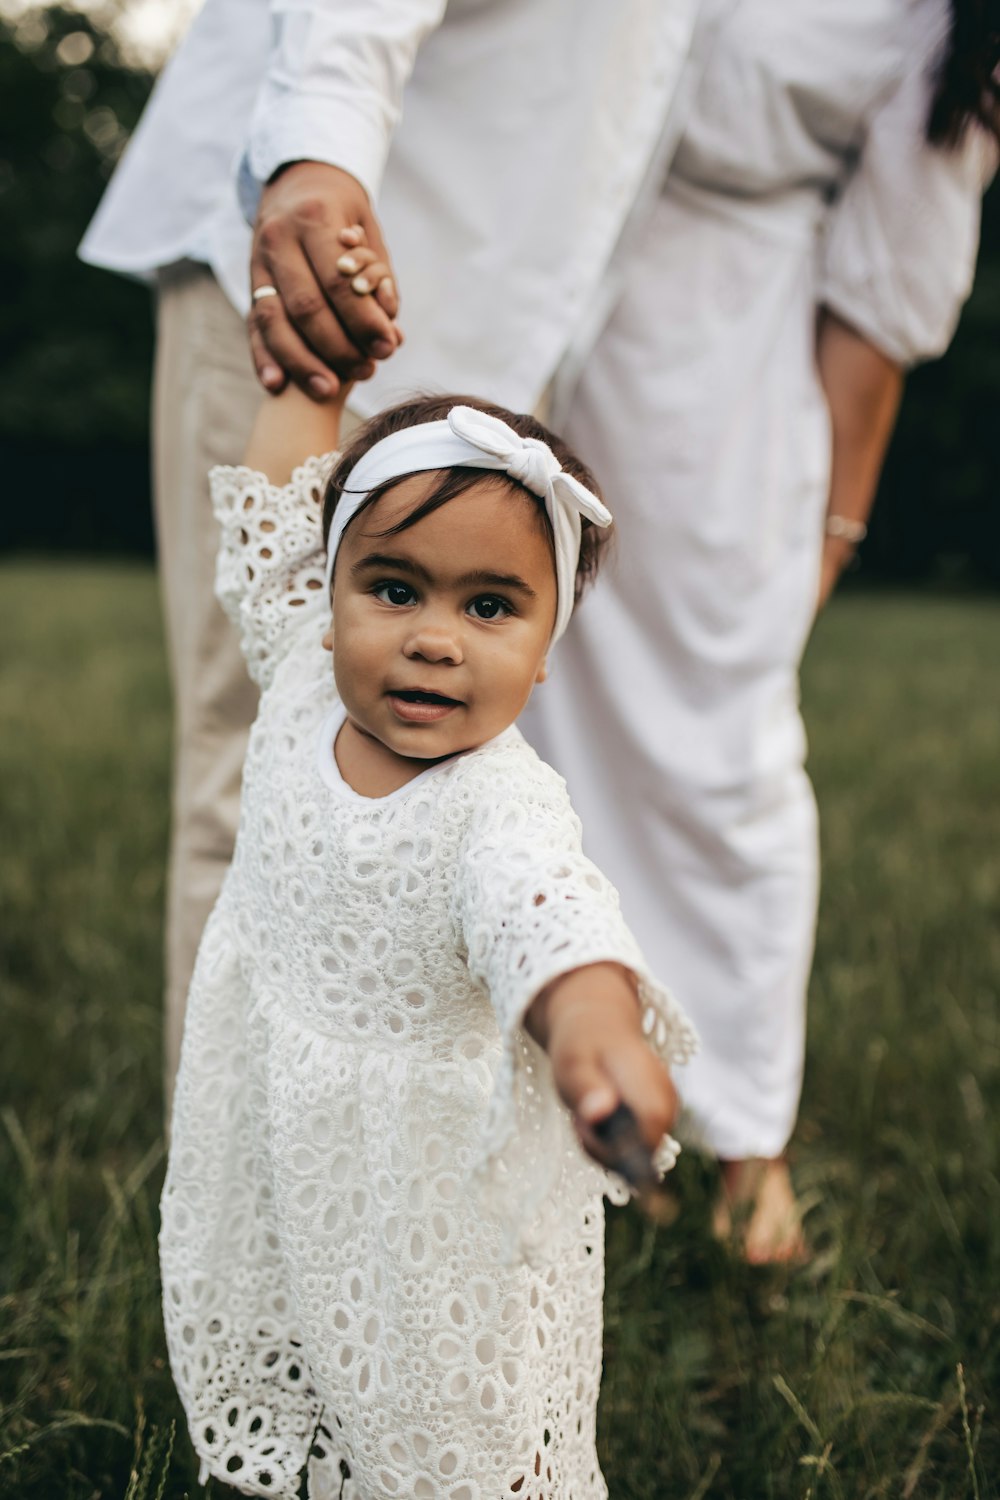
(672, 703)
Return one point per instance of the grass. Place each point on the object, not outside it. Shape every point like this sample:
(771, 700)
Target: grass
(874, 1372)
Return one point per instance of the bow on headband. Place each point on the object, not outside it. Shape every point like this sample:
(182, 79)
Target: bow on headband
(474, 440)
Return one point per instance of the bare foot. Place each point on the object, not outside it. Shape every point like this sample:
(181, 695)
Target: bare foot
(758, 1209)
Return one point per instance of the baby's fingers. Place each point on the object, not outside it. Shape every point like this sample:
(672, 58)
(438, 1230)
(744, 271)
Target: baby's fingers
(362, 267)
(644, 1084)
(373, 274)
(586, 1088)
(593, 1098)
(368, 273)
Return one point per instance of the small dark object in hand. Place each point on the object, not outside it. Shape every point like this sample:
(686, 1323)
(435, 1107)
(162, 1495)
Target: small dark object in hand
(626, 1153)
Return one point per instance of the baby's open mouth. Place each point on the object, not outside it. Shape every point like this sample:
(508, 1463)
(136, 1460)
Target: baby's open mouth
(416, 695)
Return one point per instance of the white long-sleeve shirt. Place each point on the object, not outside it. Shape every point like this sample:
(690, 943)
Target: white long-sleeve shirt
(532, 128)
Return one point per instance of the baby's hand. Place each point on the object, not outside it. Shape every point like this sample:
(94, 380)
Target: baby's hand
(589, 1023)
(367, 275)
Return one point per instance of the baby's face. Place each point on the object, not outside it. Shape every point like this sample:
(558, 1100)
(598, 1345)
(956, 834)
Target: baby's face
(441, 631)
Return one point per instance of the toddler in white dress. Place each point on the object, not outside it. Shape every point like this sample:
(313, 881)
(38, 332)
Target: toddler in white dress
(382, 1243)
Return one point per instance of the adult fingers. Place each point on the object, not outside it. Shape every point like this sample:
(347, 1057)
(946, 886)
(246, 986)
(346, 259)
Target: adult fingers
(270, 375)
(372, 231)
(377, 272)
(368, 322)
(275, 344)
(298, 326)
(285, 326)
(369, 275)
(362, 318)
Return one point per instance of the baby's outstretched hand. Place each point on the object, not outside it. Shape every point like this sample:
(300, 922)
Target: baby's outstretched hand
(589, 1023)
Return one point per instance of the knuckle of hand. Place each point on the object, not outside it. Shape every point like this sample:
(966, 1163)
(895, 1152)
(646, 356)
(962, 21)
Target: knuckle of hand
(346, 367)
(298, 371)
(311, 210)
(360, 329)
(301, 306)
(338, 288)
(270, 232)
(264, 314)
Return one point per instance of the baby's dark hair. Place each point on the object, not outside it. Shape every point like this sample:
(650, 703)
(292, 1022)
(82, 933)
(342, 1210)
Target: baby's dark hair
(455, 481)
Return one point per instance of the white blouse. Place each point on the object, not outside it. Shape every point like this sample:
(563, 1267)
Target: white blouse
(530, 131)
(533, 140)
(812, 120)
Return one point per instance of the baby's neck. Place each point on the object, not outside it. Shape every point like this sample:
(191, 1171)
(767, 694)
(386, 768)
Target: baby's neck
(370, 768)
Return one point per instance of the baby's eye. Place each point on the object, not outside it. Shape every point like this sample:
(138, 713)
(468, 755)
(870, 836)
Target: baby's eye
(391, 592)
(489, 607)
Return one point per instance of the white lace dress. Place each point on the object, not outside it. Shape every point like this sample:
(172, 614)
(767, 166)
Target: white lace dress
(382, 1249)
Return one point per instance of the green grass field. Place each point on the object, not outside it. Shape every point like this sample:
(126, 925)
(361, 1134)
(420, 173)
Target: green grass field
(873, 1372)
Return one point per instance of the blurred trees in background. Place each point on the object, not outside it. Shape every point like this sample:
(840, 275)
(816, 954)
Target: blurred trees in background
(938, 509)
(77, 343)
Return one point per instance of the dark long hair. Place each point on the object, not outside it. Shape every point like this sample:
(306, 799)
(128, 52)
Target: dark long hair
(968, 87)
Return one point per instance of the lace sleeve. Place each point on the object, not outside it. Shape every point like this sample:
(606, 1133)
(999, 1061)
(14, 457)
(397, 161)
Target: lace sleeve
(531, 906)
(269, 572)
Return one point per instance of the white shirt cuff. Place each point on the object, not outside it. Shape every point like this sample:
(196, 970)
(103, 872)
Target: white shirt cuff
(354, 136)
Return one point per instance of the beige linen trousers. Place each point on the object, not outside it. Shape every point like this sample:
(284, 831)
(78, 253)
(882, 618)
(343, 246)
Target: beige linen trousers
(205, 395)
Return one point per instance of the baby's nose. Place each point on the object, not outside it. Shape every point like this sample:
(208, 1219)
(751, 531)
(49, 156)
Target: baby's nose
(434, 643)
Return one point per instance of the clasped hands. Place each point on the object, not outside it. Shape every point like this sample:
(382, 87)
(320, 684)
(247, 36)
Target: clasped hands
(317, 242)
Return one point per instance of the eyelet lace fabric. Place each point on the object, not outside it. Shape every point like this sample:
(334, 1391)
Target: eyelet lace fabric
(381, 1246)
(270, 569)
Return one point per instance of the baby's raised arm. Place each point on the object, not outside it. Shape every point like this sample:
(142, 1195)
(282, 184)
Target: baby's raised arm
(290, 428)
(270, 569)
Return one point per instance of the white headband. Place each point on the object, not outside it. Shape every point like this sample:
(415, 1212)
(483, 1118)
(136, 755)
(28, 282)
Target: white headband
(473, 440)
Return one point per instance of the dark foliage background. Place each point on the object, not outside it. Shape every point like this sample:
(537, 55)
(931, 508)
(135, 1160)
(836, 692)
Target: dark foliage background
(76, 343)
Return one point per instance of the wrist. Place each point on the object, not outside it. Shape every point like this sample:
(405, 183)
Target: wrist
(312, 165)
(321, 180)
(286, 166)
(842, 535)
(572, 998)
(837, 550)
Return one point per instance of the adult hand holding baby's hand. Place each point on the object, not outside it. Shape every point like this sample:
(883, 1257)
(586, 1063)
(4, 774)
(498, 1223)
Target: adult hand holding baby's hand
(589, 1023)
(324, 323)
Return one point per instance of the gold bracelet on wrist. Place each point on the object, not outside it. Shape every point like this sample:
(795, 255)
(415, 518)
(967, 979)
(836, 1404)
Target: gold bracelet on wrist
(846, 530)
